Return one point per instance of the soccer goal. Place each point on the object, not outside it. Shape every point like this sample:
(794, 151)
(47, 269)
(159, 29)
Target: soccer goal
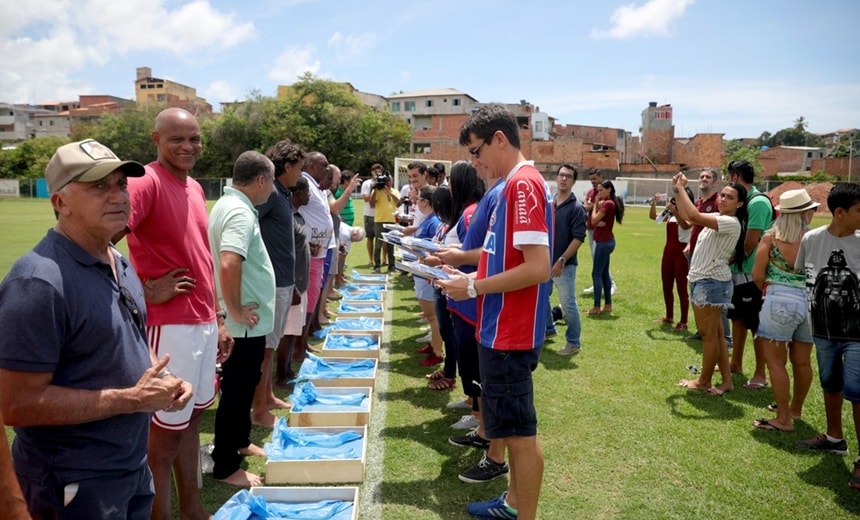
(639, 191)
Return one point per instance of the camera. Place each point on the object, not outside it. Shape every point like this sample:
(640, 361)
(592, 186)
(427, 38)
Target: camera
(381, 181)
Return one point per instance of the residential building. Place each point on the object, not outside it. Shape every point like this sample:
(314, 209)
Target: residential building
(150, 90)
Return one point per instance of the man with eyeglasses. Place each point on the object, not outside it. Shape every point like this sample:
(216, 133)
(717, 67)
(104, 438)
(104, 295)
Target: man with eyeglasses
(570, 219)
(77, 380)
(512, 288)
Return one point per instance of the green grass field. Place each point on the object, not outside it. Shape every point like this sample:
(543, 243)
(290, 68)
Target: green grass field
(620, 439)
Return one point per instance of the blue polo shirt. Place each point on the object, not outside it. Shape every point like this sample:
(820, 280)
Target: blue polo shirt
(276, 226)
(61, 312)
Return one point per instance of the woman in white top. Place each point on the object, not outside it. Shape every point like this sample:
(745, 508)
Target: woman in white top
(720, 243)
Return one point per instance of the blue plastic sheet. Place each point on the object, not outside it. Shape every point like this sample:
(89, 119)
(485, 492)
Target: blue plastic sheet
(362, 323)
(350, 342)
(358, 324)
(358, 277)
(245, 506)
(315, 367)
(366, 307)
(305, 396)
(363, 287)
(363, 294)
(300, 444)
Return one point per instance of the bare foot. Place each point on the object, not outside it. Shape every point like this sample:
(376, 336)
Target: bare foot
(276, 403)
(242, 478)
(725, 387)
(693, 384)
(607, 309)
(736, 369)
(265, 420)
(773, 425)
(252, 451)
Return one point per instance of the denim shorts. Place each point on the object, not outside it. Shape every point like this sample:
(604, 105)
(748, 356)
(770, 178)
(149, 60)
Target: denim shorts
(784, 316)
(708, 292)
(424, 289)
(839, 367)
(507, 392)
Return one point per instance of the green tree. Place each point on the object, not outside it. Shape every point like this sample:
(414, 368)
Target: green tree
(737, 151)
(29, 158)
(128, 132)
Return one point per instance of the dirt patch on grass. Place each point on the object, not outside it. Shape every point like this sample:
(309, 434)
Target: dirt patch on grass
(818, 191)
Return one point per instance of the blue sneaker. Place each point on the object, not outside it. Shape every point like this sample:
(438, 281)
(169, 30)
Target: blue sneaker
(493, 508)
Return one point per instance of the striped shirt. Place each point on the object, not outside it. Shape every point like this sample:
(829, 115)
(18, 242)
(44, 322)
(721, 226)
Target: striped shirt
(714, 249)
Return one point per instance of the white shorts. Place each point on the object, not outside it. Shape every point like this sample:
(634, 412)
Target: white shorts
(296, 317)
(193, 351)
(283, 298)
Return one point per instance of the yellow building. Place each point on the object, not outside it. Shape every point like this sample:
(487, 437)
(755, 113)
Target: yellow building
(156, 91)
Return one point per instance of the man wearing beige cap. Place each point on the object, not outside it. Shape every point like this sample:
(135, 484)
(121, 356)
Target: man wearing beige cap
(77, 380)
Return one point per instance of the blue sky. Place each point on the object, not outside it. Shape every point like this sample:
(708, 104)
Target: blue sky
(737, 67)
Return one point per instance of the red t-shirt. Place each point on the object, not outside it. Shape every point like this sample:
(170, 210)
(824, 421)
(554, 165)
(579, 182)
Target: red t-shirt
(168, 229)
(708, 205)
(604, 233)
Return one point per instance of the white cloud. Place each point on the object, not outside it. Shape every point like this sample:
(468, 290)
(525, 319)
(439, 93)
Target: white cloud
(294, 62)
(221, 91)
(44, 43)
(350, 47)
(653, 18)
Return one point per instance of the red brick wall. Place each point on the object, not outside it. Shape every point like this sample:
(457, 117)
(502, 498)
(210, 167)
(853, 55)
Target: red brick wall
(775, 160)
(700, 151)
(838, 167)
(658, 145)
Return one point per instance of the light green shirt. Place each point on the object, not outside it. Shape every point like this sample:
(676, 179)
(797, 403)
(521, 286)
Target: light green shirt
(233, 227)
(759, 217)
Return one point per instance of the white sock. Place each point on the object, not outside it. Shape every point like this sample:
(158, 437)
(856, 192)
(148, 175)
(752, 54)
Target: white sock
(832, 439)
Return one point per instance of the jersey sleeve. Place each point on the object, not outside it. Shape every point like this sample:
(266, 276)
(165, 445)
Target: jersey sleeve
(528, 221)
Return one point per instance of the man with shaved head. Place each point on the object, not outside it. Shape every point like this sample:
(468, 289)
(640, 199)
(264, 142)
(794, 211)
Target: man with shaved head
(169, 248)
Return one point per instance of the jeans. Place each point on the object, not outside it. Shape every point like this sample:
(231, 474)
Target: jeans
(600, 272)
(566, 285)
(839, 367)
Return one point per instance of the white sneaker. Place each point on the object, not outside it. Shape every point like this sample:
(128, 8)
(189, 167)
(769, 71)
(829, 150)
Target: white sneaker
(614, 288)
(467, 422)
(458, 405)
(590, 290)
(426, 339)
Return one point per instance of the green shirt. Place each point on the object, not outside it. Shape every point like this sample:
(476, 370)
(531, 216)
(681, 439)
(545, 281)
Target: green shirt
(759, 217)
(233, 227)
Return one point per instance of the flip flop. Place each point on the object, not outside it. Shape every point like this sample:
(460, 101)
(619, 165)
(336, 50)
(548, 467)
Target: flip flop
(763, 424)
(749, 385)
(717, 392)
(442, 384)
(772, 407)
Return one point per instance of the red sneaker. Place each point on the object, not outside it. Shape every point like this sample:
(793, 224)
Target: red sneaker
(426, 349)
(431, 360)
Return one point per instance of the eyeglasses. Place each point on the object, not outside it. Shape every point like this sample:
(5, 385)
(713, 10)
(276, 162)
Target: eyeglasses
(476, 152)
(564, 175)
(130, 304)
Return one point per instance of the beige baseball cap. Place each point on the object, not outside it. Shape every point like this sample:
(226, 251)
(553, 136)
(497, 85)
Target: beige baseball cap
(86, 161)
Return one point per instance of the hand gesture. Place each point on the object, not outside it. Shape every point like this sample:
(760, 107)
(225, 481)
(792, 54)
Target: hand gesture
(225, 343)
(679, 181)
(157, 390)
(172, 284)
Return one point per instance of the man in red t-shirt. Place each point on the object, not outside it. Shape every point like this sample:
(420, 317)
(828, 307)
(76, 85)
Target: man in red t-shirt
(169, 248)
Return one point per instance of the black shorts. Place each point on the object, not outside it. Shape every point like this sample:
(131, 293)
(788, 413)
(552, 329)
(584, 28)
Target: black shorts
(746, 301)
(368, 227)
(507, 392)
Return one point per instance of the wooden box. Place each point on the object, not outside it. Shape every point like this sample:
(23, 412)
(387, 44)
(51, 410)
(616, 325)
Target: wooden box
(370, 309)
(351, 417)
(334, 325)
(332, 351)
(277, 494)
(320, 471)
(346, 380)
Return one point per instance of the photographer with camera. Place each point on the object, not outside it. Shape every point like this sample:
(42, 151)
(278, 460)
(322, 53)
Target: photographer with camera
(383, 200)
(674, 265)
